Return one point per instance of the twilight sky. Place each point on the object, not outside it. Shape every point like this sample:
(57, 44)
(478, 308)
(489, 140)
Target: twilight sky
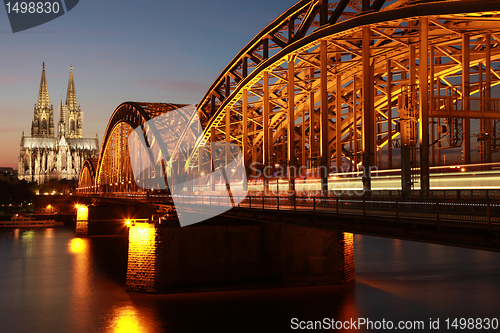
(121, 50)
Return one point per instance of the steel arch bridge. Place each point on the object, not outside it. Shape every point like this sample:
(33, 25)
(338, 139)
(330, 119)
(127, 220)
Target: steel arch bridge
(112, 172)
(334, 85)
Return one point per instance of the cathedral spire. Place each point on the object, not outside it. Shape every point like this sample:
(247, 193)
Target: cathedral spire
(61, 113)
(43, 95)
(43, 120)
(71, 94)
(61, 126)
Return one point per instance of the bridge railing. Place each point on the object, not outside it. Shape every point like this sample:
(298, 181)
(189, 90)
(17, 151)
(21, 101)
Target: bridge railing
(483, 213)
(480, 212)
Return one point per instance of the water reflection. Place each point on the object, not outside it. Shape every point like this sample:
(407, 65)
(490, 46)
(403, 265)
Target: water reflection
(77, 245)
(27, 241)
(125, 318)
(52, 281)
(80, 292)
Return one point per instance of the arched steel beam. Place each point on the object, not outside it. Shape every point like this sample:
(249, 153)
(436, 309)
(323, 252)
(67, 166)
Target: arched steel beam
(135, 114)
(306, 10)
(369, 18)
(89, 165)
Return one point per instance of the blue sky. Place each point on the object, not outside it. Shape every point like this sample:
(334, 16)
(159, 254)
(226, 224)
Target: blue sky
(151, 51)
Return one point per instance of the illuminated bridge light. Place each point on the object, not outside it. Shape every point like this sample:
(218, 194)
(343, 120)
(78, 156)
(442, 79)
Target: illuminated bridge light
(82, 219)
(82, 213)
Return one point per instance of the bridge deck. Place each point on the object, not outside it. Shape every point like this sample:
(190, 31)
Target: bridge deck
(466, 222)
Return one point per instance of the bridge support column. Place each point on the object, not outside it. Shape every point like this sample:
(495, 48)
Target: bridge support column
(267, 133)
(487, 94)
(465, 97)
(368, 117)
(324, 147)
(167, 259)
(212, 159)
(291, 125)
(338, 123)
(244, 143)
(424, 105)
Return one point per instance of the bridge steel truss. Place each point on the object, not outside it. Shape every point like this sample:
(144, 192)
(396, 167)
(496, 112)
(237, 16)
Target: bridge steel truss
(330, 84)
(87, 174)
(112, 172)
(331, 81)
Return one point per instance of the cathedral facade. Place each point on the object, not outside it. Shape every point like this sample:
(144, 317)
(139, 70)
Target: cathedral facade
(50, 155)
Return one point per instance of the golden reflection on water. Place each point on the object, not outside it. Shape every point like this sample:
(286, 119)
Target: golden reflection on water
(77, 245)
(80, 291)
(125, 319)
(27, 241)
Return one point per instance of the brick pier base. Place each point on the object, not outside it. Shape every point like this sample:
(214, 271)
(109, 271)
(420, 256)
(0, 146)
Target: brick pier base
(169, 259)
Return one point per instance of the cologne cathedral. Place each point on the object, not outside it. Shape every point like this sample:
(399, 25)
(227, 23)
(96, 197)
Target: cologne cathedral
(47, 155)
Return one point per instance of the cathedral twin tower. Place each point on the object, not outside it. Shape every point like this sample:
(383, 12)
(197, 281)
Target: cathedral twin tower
(46, 157)
(70, 114)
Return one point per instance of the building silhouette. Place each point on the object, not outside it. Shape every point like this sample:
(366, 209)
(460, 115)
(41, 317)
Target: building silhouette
(47, 155)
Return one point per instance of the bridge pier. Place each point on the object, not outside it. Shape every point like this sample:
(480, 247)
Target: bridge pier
(108, 219)
(164, 258)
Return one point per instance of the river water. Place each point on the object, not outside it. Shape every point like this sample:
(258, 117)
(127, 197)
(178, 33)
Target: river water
(52, 281)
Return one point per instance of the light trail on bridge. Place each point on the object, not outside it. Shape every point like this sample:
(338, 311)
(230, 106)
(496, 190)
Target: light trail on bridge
(455, 177)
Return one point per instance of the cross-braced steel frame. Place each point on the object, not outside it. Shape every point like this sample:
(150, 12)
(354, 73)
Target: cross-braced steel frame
(112, 172)
(330, 86)
(337, 85)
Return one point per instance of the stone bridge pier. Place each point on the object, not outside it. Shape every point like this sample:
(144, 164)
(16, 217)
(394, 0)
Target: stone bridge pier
(225, 254)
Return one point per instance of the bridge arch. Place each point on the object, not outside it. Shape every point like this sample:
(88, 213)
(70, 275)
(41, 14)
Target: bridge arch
(278, 98)
(112, 171)
(330, 86)
(86, 181)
